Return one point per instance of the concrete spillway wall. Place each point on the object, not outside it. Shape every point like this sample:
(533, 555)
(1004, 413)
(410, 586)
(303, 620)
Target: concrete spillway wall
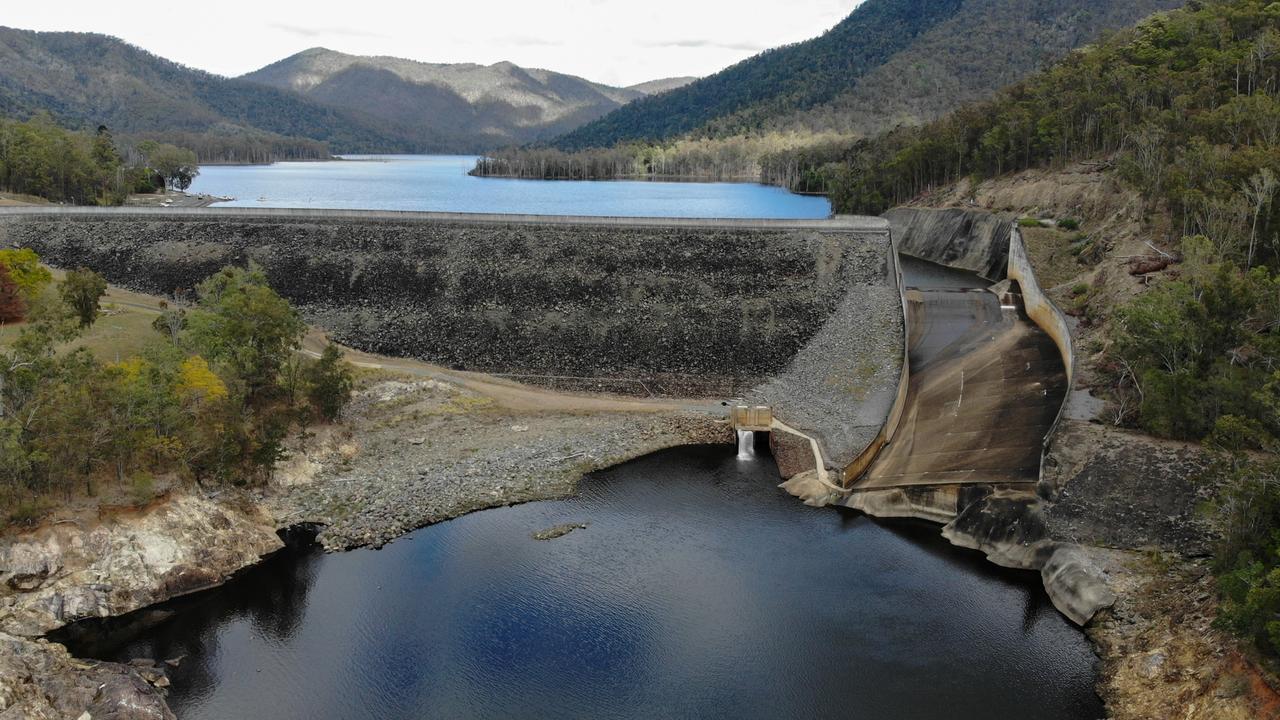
(684, 307)
(1046, 315)
(971, 240)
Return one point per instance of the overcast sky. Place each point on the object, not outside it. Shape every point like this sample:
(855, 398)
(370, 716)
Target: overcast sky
(619, 42)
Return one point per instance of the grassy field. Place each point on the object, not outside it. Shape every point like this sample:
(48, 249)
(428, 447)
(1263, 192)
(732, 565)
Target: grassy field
(122, 330)
(14, 199)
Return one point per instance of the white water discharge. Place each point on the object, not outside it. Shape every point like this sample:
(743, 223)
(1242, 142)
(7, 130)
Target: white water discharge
(746, 445)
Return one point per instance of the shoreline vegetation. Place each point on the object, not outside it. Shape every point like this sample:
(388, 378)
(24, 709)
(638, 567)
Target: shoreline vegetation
(771, 159)
(41, 159)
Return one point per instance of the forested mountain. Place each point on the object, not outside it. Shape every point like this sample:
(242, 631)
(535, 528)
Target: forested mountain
(653, 87)
(889, 62)
(1185, 105)
(465, 106)
(86, 80)
(986, 45)
(307, 106)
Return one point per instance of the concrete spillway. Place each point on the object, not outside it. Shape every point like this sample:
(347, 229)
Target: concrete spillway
(988, 374)
(985, 386)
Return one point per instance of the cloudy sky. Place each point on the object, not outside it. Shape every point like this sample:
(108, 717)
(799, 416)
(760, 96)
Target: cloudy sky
(620, 42)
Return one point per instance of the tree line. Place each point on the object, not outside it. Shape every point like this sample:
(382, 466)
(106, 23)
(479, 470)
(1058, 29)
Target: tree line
(239, 148)
(37, 157)
(734, 158)
(209, 401)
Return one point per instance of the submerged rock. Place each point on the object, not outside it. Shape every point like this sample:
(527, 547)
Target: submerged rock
(552, 533)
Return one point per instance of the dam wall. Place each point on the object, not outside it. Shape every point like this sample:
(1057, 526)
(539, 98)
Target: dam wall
(972, 240)
(641, 306)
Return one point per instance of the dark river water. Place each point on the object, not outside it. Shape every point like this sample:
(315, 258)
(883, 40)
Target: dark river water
(698, 590)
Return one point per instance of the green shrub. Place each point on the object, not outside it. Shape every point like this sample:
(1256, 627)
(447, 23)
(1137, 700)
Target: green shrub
(142, 488)
(1069, 224)
(1184, 343)
(1028, 222)
(329, 383)
(82, 291)
(1248, 557)
(27, 512)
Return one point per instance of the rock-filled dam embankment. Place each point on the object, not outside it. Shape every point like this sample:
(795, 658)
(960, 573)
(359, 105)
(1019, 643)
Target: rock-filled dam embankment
(801, 315)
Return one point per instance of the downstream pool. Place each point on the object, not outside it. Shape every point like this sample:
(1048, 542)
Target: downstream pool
(698, 589)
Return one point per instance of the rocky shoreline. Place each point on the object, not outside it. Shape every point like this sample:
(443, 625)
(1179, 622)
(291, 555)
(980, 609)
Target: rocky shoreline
(422, 451)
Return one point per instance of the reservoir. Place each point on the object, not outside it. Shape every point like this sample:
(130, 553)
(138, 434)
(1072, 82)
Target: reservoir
(697, 589)
(440, 183)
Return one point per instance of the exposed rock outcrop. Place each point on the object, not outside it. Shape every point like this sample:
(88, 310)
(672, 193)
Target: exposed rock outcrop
(60, 573)
(1121, 489)
(40, 680)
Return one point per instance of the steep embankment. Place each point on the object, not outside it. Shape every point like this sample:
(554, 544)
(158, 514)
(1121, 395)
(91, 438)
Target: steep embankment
(1132, 503)
(666, 307)
(955, 238)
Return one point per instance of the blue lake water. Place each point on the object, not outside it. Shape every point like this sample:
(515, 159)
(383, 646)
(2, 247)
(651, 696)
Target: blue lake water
(440, 183)
(698, 590)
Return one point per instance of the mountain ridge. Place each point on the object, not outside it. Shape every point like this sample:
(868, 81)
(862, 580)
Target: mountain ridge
(89, 79)
(479, 105)
(661, 85)
(85, 80)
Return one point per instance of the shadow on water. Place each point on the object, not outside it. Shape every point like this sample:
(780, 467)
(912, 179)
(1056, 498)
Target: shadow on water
(928, 538)
(271, 597)
(698, 589)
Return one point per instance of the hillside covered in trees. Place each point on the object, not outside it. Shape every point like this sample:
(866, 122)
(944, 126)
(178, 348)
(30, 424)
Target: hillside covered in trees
(1184, 104)
(305, 107)
(890, 61)
(86, 80)
(776, 116)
